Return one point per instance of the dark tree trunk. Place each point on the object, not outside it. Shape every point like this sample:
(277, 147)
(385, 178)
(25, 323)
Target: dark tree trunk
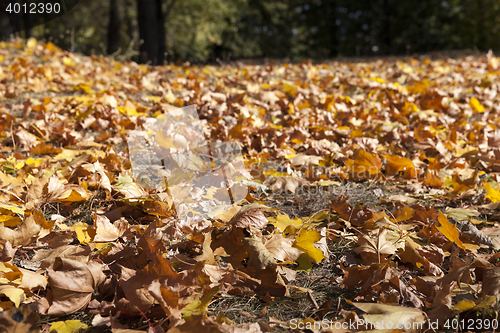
(160, 18)
(387, 32)
(332, 28)
(5, 29)
(151, 31)
(114, 27)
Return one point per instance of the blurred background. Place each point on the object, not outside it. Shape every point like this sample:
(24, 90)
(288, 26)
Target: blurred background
(199, 31)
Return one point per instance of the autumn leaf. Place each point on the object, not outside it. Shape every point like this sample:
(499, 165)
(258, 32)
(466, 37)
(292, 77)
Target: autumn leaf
(375, 248)
(305, 242)
(249, 218)
(449, 230)
(395, 315)
(288, 183)
(72, 284)
(363, 165)
(476, 105)
(431, 179)
(200, 305)
(491, 193)
(281, 248)
(282, 221)
(68, 326)
(401, 166)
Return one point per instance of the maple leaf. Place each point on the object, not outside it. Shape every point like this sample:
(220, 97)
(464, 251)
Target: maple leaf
(288, 183)
(449, 230)
(305, 241)
(363, 165)
(68, 326)
(23, 234)
(282, 221)
(395, 315)
(249, 218)
(281, 248)
(199, 306)
(375, 247)
(259, 256)
(400, 165)
(72, 284)
(491, 193)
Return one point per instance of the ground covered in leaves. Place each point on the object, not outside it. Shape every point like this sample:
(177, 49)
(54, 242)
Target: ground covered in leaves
(374, 197)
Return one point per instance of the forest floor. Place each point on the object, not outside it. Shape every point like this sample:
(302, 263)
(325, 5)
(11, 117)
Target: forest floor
(368, 194)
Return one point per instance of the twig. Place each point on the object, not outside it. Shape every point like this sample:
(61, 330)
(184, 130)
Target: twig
(150, 324)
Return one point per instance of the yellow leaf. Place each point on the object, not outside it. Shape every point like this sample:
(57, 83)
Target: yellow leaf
(449, 230)
(85, 88)
(13, 208)
(68, 61)
(304, 262)
(200, 305)
(465, 305)
(81, 229)
(305, 241)
(68, 326)
(67, 154)
(16, 295)
(31, 43)
(283, 221)
(10, 221)
(491, 193)
(475, 105)
(74, 195)
(34, 161)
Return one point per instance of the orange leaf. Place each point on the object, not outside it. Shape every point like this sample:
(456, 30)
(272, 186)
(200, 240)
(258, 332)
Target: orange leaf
(400, 165)
(364, 165)
(431, 179)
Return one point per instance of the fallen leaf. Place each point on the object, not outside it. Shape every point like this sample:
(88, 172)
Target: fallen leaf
(449, 230)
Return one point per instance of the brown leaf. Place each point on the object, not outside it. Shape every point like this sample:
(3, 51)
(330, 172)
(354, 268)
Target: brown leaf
(72, 284)
(258, 255)
(288, 183)
(281, 248)
(249, 218)
(107, 231)
(374, 247)
(23, 234)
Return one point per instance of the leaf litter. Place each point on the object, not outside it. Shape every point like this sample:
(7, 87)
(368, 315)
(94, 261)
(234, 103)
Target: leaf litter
(373, 195)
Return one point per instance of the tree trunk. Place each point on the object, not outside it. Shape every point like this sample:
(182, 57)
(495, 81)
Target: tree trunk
(387, 10)
(332, 28)
(114, 27)
(5, 29)
(151, 31)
